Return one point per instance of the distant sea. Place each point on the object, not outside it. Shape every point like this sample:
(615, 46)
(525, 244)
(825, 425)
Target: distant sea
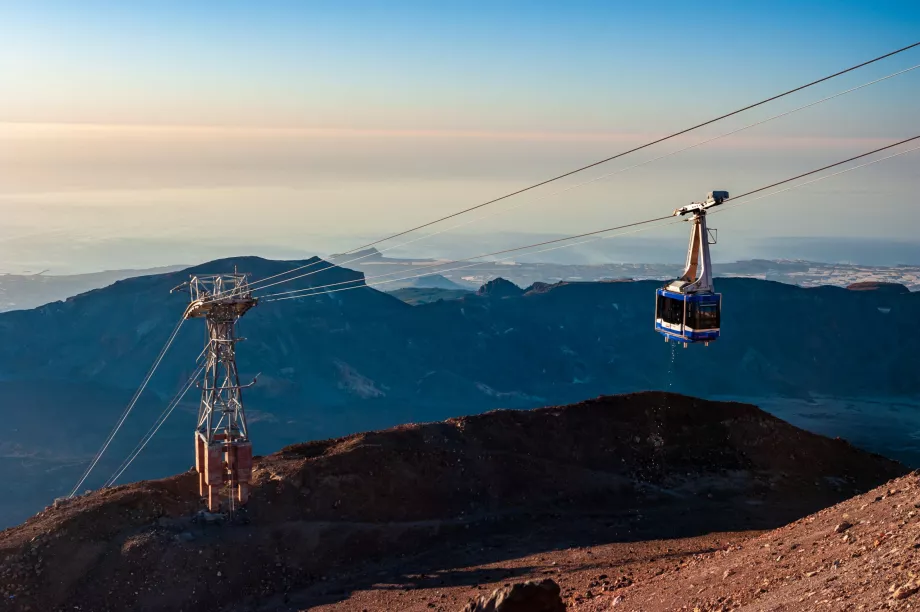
(60, 255)
(870, 252)
(648, 250)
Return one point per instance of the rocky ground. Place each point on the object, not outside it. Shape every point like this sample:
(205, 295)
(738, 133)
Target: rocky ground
(608, 497)
(580, 558)
(862, 554)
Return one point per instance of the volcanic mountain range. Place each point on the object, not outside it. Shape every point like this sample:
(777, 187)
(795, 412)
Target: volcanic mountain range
(360, 359)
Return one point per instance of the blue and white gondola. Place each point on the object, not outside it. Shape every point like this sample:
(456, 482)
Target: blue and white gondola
(687, 310)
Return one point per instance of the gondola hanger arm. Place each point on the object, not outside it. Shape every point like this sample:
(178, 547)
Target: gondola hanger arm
(713, 198)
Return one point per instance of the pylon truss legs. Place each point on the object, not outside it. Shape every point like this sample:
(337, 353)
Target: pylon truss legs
(239, 462)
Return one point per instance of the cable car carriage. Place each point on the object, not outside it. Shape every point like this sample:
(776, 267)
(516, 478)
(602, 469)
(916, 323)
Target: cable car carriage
(687, 309)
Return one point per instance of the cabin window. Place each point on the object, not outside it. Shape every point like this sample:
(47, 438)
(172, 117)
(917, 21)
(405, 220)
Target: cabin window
(670, 310)
(703, 315)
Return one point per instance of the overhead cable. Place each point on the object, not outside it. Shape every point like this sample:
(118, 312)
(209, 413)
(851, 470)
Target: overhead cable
(593, 180)
(521, 248)
(304, 292)
(129, 407)
(827, 167)
(730, 204)
(481, 263)
(178, 395)
(605, 160)
(155, 427)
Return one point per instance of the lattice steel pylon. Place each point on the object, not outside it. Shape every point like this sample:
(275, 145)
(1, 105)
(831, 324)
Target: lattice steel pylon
(223, 451)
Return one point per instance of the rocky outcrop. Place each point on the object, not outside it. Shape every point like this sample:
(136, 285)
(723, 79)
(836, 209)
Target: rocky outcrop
(530, 596)
(500, 288)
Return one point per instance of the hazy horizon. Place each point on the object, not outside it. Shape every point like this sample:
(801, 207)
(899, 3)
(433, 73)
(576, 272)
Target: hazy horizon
(311, 128)
(70, 258)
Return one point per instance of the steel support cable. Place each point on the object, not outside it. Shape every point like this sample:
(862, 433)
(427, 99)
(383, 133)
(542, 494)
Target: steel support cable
(598, 232)
(731, 204)
(646, 228)
(198, 371)
(827, 167)
(482, 263)
(155, 427)
(723, 207)
(129, 407)
(570, 188)
(511, 250)
(608, 159)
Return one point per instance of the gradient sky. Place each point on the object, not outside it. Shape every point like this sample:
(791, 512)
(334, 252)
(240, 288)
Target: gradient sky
(311, 126)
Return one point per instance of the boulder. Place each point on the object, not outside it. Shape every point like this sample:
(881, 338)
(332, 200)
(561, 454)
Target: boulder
(530, 596)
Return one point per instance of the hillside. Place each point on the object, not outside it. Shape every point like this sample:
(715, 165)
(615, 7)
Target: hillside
(567, 339)
(634, 463)
(21, 291)
(358, 360)
(861, 554)
(424, 295)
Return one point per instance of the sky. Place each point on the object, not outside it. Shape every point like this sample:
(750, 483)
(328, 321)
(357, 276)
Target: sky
(142, 132)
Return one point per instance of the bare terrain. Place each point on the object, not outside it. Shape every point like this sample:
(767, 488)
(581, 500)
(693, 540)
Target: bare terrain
(862, 554)
(620, 487)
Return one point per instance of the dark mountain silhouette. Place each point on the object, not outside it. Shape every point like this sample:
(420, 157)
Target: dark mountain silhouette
(436, 281)
(417, 295)
(371, 254)
(354, 360)
(20, 291)
(499, 288)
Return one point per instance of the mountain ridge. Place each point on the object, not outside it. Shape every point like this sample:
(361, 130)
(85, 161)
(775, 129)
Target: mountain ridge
(379, 495)
(356, 360)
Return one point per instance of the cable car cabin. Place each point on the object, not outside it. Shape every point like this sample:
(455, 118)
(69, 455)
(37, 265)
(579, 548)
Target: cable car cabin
(687, 309)
(688, 317)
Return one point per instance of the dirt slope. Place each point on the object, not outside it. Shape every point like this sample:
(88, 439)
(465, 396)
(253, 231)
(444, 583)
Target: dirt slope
(862, 554)
(646, 465)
